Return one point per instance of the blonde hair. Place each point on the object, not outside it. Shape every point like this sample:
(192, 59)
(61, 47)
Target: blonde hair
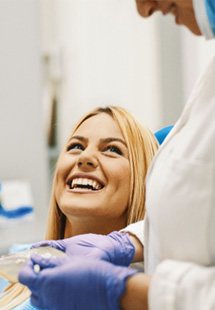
(13, 295)
(141, 145)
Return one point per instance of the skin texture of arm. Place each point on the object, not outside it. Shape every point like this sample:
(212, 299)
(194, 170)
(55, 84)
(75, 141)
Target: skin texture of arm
(138, 256)
(136, 293)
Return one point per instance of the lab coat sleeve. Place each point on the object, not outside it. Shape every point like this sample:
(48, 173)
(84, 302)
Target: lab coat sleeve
(182, 286)
(136, 229)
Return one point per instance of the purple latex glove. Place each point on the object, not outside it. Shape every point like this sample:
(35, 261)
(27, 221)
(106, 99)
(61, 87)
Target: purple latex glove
(115, 248)
(77, 283)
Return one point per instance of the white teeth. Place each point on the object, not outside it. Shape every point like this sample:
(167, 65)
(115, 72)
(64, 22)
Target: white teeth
(85, 182)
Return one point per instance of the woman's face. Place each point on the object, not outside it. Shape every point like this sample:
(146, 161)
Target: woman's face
(93, 175)
(181, 9)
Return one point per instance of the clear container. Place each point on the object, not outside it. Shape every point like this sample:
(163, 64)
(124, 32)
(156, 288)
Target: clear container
(10, 265)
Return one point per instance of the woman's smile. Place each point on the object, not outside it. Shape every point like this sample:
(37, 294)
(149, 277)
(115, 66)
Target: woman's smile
(84, 184)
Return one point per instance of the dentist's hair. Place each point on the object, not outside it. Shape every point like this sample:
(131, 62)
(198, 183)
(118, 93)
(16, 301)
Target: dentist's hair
(141, 145)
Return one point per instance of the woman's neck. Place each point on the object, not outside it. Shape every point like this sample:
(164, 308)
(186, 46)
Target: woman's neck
(78, 226)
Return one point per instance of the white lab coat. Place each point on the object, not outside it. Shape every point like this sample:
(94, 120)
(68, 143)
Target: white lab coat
(179, 239)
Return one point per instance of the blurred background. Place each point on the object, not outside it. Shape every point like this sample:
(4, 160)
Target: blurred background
(59, 59)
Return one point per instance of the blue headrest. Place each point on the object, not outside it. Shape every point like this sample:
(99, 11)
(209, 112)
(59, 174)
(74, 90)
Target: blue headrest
(161, 134)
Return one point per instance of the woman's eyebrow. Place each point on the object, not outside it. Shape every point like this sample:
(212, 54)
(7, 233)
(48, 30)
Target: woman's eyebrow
(113, 139)
(80, 138)
(104, 140)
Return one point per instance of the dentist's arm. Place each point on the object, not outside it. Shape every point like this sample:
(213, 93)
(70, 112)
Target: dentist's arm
(136, 293)
(138, 248)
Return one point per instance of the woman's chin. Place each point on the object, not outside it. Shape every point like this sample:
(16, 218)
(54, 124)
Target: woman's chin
(81, 210)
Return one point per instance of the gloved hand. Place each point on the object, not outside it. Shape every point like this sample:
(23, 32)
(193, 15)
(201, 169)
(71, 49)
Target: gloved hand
(75, 283)
(115, 248)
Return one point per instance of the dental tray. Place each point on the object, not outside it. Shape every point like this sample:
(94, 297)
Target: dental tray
(10, 265)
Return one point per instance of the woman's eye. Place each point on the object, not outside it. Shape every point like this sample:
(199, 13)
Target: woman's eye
(75, 146)
(114, 149)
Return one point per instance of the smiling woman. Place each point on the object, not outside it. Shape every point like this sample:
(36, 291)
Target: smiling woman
(100, 175)
(99, 180)
(93, 176)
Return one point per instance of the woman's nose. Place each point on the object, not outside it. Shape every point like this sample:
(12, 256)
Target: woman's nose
(87, 161)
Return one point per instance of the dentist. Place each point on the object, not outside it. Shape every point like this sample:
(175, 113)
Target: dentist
(179, 247)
